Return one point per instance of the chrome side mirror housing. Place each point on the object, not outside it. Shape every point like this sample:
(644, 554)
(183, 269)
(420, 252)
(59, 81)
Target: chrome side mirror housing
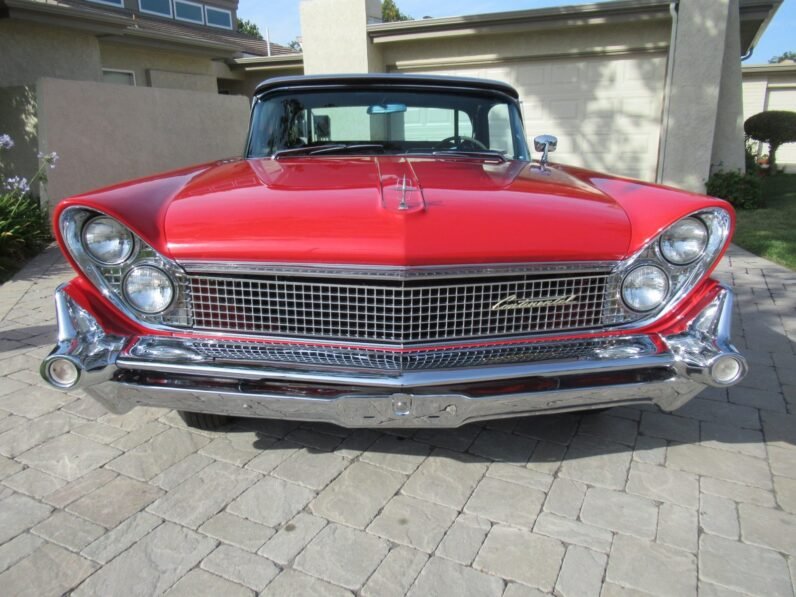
(545, 144)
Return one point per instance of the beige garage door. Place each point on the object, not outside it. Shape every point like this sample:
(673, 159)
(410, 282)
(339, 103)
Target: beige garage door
(784, 99)
(606, 112)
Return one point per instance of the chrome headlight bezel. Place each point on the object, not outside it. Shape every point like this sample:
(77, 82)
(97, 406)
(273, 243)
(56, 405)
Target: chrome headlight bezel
(109, 278)
(682, 278)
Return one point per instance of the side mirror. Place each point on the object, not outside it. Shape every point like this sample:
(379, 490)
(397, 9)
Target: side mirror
(545, 144)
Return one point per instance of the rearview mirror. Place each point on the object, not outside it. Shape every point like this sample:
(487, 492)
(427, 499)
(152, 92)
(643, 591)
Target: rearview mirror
(386, 108)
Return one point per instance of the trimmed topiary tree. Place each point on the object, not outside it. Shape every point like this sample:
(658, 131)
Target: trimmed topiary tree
(774, 127)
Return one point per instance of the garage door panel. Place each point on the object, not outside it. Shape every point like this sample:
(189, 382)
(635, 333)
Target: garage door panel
(598, 107)
(784, 99)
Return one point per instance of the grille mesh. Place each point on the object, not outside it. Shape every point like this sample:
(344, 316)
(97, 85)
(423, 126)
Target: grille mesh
(396, 311)
(354, 358)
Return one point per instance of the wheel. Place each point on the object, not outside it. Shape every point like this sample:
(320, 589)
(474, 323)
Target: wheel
(203, 420)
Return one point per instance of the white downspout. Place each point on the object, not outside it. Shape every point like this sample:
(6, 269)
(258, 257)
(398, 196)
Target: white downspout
(268, 40)
(667, 91)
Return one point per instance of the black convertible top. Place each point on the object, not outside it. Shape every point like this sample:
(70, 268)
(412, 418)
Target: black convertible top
(386, 79)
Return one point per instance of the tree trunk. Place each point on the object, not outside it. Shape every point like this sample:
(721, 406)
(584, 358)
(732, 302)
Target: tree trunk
(772, 158)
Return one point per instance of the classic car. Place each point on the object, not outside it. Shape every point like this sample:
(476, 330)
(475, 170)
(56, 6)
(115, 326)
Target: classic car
(387, 253)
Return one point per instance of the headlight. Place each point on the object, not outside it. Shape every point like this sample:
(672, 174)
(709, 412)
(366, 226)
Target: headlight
(685, 241)
(148, 289)
(107, 241)
(645, 288)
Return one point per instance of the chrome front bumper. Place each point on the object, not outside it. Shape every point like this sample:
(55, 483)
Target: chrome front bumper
(168, 374)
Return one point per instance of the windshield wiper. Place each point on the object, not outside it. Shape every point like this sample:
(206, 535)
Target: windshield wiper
(331, 147)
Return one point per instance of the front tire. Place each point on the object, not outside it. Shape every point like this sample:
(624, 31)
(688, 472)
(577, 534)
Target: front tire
(203, 421)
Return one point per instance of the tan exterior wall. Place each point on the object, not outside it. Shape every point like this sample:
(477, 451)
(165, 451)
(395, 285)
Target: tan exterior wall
(109, 133)
(29, 51)
(728, 138)
(691, 119)
(335, 36)
(161, 68)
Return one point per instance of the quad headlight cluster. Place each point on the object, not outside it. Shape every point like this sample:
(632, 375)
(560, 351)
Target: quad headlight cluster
(673, 262)
(130, 272)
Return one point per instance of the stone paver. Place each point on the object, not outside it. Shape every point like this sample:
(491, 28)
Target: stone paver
(343, 556)
(652, 568)
(629, 502)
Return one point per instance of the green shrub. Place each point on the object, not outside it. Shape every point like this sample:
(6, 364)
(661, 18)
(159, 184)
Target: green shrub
(743, 191)
(752, 167)
(24, 225)
(774, 127)
(24, 230)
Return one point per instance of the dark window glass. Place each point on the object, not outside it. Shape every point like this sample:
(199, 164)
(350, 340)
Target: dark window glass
(219, 18)
(161, 7)
(188, 11)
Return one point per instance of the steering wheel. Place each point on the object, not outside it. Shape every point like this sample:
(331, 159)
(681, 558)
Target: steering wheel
(459, 142)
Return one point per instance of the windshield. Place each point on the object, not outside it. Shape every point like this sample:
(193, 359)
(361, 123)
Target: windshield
(386, 121)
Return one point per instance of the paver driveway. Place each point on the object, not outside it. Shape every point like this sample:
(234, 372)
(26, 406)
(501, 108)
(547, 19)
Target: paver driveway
(632, 501)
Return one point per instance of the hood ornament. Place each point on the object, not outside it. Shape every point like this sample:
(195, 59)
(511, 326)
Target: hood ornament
(514, 302)
(403, 196)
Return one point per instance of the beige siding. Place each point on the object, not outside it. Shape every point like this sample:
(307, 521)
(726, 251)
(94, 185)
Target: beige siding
(784, 98)
(599, 88)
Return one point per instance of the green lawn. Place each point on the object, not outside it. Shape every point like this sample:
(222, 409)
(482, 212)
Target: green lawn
(771, 232)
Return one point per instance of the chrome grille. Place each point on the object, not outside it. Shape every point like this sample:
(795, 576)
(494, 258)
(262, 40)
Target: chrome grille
(385, 360)
(401, 311)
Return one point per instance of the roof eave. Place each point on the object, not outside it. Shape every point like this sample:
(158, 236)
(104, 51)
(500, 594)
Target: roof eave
(62, 16)
(566, 16)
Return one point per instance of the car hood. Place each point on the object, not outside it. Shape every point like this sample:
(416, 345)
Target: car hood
(391, 210)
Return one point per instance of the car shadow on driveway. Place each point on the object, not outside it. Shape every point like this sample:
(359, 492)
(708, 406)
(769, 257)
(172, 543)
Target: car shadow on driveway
(543, 442)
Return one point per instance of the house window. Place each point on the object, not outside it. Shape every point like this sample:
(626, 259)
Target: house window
(162, 8)
(217, 17)
(118, 3)
(188, 11)
(119, 77)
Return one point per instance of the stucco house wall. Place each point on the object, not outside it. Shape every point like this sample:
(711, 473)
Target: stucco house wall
(30, 50)
(127, 132)
(160, 68)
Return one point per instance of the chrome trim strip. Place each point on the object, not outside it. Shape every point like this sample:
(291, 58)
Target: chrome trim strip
(405, 379)
(392, 272)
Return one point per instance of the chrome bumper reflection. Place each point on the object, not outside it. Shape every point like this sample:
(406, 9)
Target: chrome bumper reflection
(171, 374)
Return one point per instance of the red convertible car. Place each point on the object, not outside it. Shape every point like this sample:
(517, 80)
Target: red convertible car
(387, 253)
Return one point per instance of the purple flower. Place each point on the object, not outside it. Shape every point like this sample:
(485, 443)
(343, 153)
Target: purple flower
(49, 158)
(17, 183)
(6, 142)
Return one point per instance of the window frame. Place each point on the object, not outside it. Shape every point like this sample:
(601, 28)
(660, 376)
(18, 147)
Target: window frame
(115, 3)
(123, 71)
(201, 9)
(208, 7)
(155, 13)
